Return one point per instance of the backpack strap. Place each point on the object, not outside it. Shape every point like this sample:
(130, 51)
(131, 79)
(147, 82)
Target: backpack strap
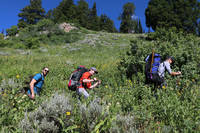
(163, 63)
(38, 79)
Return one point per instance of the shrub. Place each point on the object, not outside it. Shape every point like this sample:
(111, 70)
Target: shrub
(44, 25)
(31, 43)
(1, 36)
(125, 124)
(173, 104)
(186, 58)
(12, 31)
(47, 117)
(6, 43)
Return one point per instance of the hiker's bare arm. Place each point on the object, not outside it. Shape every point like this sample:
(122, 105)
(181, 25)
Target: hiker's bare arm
(175, 73)
(33, 81)
(89, 80)
(94, 85)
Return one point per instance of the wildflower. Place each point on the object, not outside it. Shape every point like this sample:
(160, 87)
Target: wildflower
(4, 94)
(163, 87)
(130, 82)
(68, 113)
(193, 80)
(19, 101)
(106, 86)
(17, 76)
(24, 96)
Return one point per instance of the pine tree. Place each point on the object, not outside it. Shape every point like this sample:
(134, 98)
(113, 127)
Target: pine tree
(49, 14)
(140, 30)
(126, 25)
(82, 13)
(65, 12)
(94, 19)
(106, 24)
(31, 14)
(182, 14)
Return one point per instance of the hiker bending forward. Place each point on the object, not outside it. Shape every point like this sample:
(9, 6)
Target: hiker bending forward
(166, 66)
(37, 83)
(86, 82)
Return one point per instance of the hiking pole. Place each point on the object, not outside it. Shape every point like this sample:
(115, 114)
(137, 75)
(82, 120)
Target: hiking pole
(152, 58)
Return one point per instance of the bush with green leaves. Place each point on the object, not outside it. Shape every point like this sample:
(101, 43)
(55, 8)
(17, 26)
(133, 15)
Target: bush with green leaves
(1, 36)
(12, 31)
(47, 117)
(185, 49)
(174, 106)
(6, 43)
(44, 25)
(44, 32)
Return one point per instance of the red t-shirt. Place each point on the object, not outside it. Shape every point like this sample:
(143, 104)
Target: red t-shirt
(86, 75)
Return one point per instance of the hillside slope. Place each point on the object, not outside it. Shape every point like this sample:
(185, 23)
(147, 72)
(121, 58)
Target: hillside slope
(117, 105)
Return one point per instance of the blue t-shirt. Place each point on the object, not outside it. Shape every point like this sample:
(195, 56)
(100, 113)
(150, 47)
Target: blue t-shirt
(39, 77)
(38, 85)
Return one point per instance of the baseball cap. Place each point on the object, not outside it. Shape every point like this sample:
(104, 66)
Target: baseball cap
(94, 69)
(171, 57)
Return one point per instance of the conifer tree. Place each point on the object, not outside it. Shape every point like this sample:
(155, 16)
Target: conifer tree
(82, 13)
(31, 14)
(140, 30)
(94, 19)
(106, 24)
(65, 12)
(49, 15)
(182, 14)
(126, 25)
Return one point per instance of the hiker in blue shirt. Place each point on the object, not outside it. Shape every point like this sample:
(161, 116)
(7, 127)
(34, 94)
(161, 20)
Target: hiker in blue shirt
(166, 66)
(37, 83)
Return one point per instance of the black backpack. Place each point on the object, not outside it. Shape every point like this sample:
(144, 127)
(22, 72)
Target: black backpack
(151, 67)
(75, 78)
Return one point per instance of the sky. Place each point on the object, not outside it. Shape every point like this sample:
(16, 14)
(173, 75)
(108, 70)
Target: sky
(9, 10)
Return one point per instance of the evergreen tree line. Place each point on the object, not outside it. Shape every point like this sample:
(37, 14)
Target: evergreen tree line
(182, 14)
(80, 14)
(68, 12)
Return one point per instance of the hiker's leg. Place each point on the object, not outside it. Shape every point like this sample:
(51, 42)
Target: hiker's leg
(35, 91)
(83, 91)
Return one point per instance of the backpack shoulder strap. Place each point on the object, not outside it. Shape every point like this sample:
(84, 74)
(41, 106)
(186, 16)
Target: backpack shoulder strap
(39, 79)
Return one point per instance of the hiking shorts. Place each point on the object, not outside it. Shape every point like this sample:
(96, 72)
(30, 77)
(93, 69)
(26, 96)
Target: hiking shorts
(82, 91)
(36, 91)
(157, 79)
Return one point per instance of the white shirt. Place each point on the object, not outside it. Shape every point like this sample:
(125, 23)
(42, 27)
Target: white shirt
(162, 67)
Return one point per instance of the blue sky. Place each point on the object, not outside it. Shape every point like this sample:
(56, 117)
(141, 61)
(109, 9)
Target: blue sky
(9, 10)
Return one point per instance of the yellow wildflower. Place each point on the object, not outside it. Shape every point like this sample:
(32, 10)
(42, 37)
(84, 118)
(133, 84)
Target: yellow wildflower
(68, 113)
(163, 87)
(4, 94)
(17, 76)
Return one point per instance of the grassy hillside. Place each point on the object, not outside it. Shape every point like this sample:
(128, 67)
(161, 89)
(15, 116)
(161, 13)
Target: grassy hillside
(117, 105)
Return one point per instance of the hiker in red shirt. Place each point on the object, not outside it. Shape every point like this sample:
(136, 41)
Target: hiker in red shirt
(86, 82)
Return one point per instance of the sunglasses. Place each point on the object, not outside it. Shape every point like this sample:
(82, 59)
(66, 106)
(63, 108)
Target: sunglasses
(46, 70)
